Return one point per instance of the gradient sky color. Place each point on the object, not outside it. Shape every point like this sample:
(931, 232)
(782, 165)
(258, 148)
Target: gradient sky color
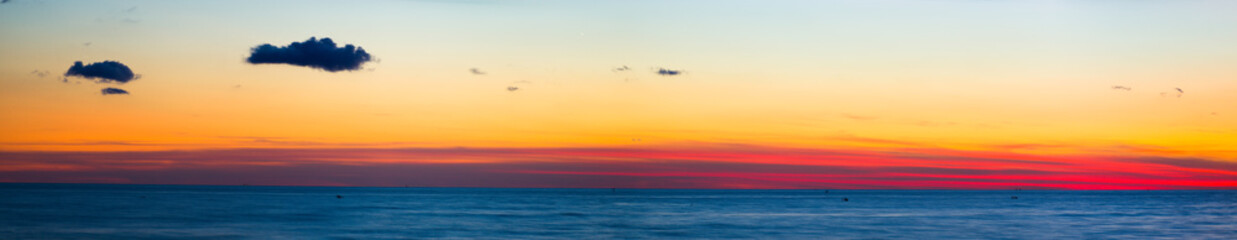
(774, 94)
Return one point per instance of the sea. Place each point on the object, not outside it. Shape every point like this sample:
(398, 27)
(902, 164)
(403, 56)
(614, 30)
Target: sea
(103, 211)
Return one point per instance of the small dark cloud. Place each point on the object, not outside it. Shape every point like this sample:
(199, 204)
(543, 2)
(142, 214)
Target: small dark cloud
(102, 72)
(1179, 92)
(476, 71)
(4, 1)
(1121, 88)
(668, 72)
(315, 53)
(513, 88)
(110, 91)
(623, 68)
(86, 44)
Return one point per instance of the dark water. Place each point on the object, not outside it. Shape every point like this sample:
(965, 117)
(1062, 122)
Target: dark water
(73, 211)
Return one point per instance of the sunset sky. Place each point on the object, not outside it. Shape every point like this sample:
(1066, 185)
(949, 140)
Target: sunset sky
(771, 94)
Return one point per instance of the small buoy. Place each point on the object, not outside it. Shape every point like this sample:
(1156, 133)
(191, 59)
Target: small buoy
(338, 196)
(846, 199)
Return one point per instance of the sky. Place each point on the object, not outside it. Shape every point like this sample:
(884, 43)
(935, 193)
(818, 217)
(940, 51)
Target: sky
(765, 94)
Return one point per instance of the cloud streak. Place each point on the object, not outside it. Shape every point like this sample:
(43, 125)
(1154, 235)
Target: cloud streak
(114, 91)
(668, 72)
(314, 53)
(731, 166)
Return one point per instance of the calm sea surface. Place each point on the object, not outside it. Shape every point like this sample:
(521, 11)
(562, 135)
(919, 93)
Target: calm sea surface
(83, 211)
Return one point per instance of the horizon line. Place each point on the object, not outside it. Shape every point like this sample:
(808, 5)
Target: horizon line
(628, 188)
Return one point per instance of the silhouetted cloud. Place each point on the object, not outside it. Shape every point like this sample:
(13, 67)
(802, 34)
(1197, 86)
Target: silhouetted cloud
(102, 72)
(110, 91)
(668, 72)
(1121, 88)
(476, 71)
(1179, 92)
(623, 68)
(321, 54)
(513, 88)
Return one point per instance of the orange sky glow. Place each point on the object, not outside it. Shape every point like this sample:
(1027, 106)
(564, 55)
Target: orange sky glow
(800, 95)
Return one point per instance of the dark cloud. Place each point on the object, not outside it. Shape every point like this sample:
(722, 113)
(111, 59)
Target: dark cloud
(110, 91)
(1121, 88)
(321, 54)
(4, 1)
(476, 71)
(668, 72)
(620, 69)
(102, 72)
(513, 88)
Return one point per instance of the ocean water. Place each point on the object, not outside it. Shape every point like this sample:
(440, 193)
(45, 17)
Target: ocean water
(85, 211)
